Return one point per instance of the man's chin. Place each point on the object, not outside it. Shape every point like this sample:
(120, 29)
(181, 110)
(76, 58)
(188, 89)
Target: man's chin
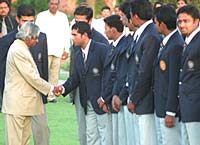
(77, 45)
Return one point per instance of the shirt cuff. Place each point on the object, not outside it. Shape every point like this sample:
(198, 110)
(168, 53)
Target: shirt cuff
(102, 99)
(129, 100)
(63, 90)
(170, 113)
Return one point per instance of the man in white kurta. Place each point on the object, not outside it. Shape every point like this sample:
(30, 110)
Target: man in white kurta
(56, 26)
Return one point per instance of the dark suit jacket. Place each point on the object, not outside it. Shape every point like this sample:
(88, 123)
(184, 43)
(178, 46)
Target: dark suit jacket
(189, 85)
(88, 78)
(11, 23)
(141, 64)
(122, 70)
(96, 36)
(39, 53)
(166, 76)
(111, 70)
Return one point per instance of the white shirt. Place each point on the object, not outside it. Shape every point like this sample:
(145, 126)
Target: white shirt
(57, 30)
(86, 50)
(139, 31)
(117, 41)
(189, 38)
(166, 38)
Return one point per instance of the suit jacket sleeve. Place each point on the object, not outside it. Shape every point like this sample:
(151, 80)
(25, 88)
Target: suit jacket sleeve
(29, 73)
(45, 60)
(5, 43)
(174, 66)
(73, 81)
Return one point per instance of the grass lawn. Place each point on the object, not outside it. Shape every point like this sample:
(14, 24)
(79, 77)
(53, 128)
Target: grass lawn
(62, 123)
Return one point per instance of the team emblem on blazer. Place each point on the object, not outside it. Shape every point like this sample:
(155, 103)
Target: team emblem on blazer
(95, 70)
(163, 65)
(136, 59)
(112, 67)
(190, 64)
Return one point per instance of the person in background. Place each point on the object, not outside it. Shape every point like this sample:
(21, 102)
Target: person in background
(180, 3)
(117, 10)
(26, 13)
(157, 5)
(166, 77)
(55, 25)
(7, 22)
(23, 85)
(189, 81)
(100, 24)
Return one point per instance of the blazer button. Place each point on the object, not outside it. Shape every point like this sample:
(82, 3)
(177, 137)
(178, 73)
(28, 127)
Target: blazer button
(181, 70)
(180, 83)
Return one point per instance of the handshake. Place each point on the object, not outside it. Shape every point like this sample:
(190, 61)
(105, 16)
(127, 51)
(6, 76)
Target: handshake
(58, 90)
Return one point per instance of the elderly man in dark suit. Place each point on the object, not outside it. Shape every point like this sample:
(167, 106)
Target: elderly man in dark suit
(87, 75)
(147, 43)
(166, 77)
(189, 81)
(39, 52)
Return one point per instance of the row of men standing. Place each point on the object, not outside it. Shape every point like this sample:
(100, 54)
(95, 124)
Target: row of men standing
(47, 60)
(156, 77)
(109, 76)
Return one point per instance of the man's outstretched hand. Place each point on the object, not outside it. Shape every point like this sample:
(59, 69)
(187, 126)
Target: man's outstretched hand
(57, 91)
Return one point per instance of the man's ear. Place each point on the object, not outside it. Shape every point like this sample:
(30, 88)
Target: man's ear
(17, 19)
(113, 29)
(90, 22)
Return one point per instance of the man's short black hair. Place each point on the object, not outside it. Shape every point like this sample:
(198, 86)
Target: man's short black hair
(82, 27)
(5, 1)
(25, 10)
(167, 15)
(190, 10)
(142, 8)
(84, 11)
(114, 21)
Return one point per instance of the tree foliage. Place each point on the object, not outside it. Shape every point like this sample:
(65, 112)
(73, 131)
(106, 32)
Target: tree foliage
(41, 5)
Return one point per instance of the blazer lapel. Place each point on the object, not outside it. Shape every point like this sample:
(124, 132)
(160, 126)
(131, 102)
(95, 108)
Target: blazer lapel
(80, 61)
(109, 56)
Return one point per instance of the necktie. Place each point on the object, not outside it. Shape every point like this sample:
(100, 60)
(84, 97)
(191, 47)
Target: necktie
(3, 28)
(112, 49)
(131, 49)
(160, 50)
(184, 48)
(84, 57)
